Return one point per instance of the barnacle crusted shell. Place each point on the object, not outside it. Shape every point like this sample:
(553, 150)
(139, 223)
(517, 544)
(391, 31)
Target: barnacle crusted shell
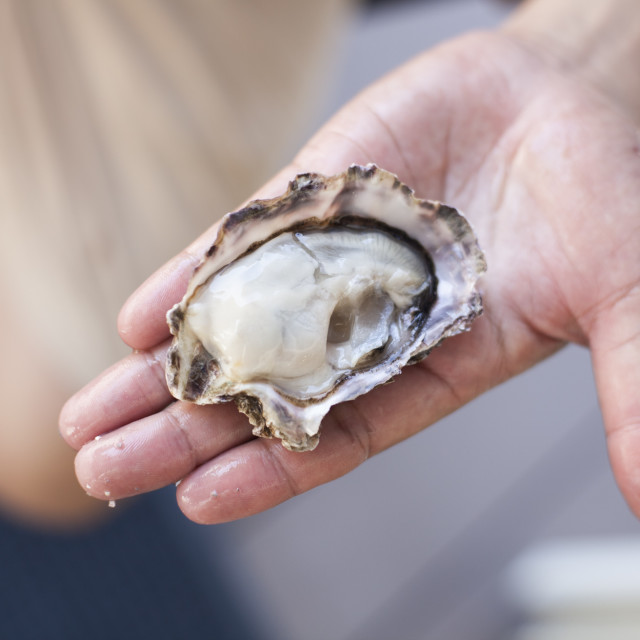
(317, 296)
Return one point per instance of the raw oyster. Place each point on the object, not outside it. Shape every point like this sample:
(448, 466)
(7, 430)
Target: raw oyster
(317, 296)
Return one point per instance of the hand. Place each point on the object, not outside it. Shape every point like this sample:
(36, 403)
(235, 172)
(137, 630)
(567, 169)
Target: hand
(547, 170)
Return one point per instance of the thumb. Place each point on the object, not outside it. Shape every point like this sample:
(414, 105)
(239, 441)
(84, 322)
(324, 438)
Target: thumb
(615, 345)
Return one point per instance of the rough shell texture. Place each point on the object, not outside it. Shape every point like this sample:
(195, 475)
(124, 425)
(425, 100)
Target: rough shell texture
(360, 198)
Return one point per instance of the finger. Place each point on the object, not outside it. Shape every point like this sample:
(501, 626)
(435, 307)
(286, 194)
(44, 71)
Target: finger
(261, 474)
(615, 344)
(129, 390)
(158, 450)
(142, 320)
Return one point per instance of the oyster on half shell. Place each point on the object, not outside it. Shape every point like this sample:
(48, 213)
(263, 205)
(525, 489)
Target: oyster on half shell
(317, 296)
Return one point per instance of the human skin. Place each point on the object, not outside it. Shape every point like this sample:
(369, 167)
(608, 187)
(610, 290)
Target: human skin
(529, 134)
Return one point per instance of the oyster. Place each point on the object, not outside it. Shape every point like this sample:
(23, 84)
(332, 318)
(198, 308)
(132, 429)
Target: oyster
(317, 296)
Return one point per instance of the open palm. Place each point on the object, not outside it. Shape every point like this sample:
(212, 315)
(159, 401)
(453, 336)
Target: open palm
(547, 171)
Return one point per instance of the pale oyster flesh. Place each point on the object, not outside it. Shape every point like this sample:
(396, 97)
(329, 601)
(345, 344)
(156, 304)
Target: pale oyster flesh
(309, 307)
(318, 296)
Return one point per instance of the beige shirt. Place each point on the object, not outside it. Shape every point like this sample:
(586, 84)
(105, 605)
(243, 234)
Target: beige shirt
(127, 128)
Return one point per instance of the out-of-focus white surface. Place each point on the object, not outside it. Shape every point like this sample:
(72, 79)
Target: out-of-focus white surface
(582, 588)
(579, 578)
(414, 543)
(585, 631)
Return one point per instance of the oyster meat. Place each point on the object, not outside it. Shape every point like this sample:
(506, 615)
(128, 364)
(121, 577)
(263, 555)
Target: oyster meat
(317, 296)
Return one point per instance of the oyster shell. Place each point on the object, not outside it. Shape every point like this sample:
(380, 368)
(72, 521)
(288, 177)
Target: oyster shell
(317, 296)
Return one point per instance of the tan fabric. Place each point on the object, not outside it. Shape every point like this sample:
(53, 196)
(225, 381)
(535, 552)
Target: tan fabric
(126, 128)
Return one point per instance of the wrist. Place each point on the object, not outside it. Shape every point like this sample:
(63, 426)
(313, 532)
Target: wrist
(598, 40)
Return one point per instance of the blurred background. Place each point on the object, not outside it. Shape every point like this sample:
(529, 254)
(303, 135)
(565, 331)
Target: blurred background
(115, 116)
